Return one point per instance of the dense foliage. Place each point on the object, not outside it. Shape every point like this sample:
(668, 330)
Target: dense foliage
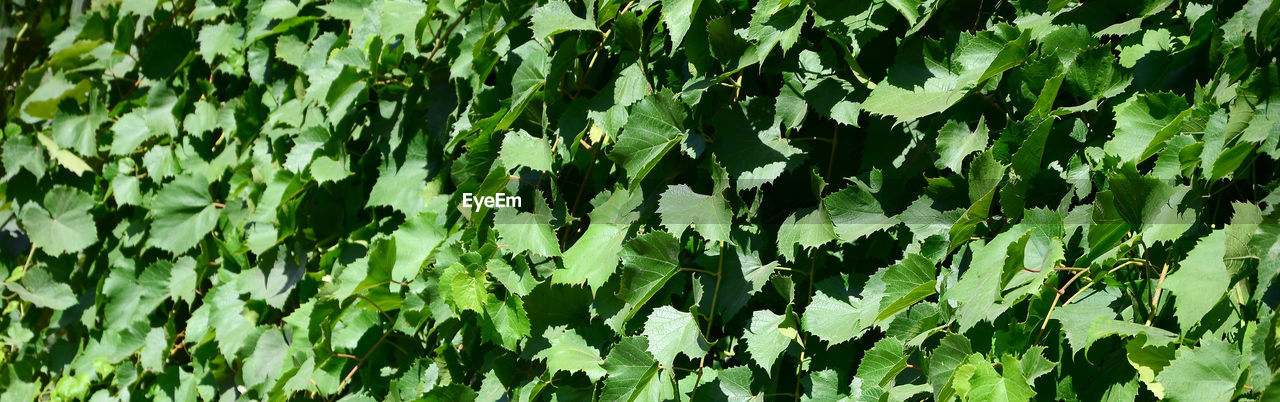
(718, 200)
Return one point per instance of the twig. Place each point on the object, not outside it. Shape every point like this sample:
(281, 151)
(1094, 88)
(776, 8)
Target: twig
(365, 357)
(715, 296)
(578, 199)
(701, 271)
(1054, 305)
(835, 142)
(440, 39)
(30, 254)
(1078, 293)
(827, 140)
(737, 87)
(1155, 299)
(177, 344)
(791, 270)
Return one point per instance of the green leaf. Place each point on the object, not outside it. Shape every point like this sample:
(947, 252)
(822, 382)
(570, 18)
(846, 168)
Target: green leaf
(420, 237)
(908, 8)
(753, 154)
(390, 188)
(1206, 373)
(656, 125)
(62, 223)
(648, 262)
(262, 201)
(131, 297)
(1200, 280)
(129, 132)
(516, 279)
(351, 326)
(525, 231)
(594, 257)
(268, 359)
(883, 362)
(325, 169)
(735, 383)
(568, 351)
(469, 291)
(220, 39)
(709, 215)
(65, 158)
(508, 322)
(181, 214)
(774, 24)
(183, 280)
(768, 336)
(956, 141)
(1007, 385)
(906, 283)
(633, 373)
(139, 7)
(928, 77)
(1144, 123)
(672, 331)
(42, 102)
(152, 353)
(678, 16)
(1102, 328)
(978, 290)
(943, 362)
(521, 149)
(1077, 319)
(984, 177)
(556, 17)
(529, 78)
(1149, 360)
(20, 152)
(809, 228)
(400, 20)
(79, 132)
(837, 317)
(856, 213)
(41, 289)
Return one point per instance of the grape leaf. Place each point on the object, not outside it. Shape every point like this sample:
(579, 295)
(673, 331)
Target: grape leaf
(182, 213)
(672, 331)
(62, 223)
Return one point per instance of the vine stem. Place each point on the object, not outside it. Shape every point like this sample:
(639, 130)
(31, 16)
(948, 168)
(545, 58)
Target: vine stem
(835, 142)
(360, 362)
(441, 38)
(1054, 305)
(1077, 293)
(362, 359)
(711, 316)
(813, 261)
(596, 53)
(826, 140)
(578, 198)
(699, 270)
(737, 89)
(30, 254)
(1155, 298)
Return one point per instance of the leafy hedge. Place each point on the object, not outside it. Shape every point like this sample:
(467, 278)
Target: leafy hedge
(719, 200)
